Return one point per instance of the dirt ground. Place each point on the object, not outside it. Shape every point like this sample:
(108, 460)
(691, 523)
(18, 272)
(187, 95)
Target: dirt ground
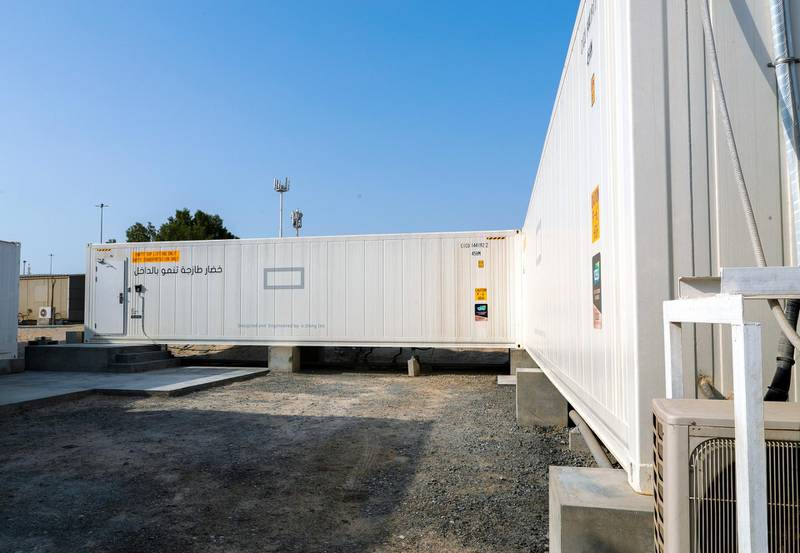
(59, 332)
(289, 462)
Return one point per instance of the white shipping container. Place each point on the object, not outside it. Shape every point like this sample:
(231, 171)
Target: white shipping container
(449, 290)
(9, 298)
(634, 190)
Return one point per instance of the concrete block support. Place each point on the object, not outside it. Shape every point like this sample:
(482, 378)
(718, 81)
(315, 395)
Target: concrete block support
(539, 403)
(413, 367)
(74, 336)
(595, 509)
(519, 358)
(577, 443)
(284, 359)
(8, 366)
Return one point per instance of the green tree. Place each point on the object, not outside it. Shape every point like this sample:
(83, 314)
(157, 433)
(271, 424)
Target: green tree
(181, 226)
(138, 232)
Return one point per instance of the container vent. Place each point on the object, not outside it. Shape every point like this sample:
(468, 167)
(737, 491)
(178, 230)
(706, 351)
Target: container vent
(712, 497)
(658, 485)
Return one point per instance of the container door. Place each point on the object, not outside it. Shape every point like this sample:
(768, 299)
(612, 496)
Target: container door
(110, 294)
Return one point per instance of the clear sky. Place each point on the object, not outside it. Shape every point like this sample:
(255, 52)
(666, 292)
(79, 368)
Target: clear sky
(388, 116)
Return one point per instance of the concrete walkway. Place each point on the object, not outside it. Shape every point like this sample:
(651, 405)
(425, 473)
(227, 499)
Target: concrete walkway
(31, 388)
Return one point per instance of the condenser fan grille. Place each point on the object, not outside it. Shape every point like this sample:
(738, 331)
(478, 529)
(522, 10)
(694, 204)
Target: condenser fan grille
(712, 496)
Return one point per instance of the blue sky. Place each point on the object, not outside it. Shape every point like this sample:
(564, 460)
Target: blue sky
(387, 116)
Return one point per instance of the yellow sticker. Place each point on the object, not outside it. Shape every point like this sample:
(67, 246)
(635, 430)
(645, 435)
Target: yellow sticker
(157, 256)
(480, 294)
(480, 264)
(595, 214)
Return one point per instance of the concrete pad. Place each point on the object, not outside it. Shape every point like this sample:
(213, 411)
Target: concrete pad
(30, 389)
(284, 358)
(518, 359)
(539, 403)
(596, 510)
(506, 380)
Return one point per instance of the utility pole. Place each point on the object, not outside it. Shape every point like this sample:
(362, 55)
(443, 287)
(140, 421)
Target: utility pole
(281, 188)
(297, 221)
(102, 206)
(24, 262)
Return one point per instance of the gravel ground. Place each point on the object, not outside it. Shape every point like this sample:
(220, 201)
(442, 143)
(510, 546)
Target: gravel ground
(308, 462)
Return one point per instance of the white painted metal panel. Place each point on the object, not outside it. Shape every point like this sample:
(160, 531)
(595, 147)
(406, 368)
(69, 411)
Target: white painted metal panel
(412, 289)
(9, 298)
(635, 118)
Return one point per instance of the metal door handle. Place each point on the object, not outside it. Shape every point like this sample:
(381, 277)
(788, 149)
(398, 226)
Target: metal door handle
(121, 298)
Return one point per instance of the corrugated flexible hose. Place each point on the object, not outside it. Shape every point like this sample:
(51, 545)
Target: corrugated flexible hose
(787, 328)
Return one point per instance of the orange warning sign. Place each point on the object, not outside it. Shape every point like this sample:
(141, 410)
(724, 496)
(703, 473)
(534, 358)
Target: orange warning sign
(596, 214)
(157, 256)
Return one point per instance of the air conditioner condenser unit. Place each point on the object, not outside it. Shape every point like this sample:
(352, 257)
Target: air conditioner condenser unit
(695, 476)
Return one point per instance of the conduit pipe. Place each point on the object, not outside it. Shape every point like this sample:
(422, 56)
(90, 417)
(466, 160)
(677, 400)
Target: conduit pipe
(744, 196)
(591, 441)
(787, 100)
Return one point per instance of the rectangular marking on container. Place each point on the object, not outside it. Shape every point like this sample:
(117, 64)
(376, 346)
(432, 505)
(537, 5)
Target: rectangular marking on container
(156, 256)
(594, 95)
(480, 264)
(284, 278)
(480, 294)
(481, 312)
(595, 214)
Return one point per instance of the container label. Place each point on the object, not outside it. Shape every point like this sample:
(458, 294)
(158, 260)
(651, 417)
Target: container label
(480, 294)
(594, 95)
(481, 312)
(156, 256)
(595, 214)
(597, 292)
(480, 264)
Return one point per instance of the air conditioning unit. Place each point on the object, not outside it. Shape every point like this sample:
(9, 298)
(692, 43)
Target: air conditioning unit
(695, 476)
(45, 312)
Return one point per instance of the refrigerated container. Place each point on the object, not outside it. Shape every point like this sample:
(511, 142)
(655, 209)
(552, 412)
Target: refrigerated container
(424, 290)
(634, 190)
(9, 297)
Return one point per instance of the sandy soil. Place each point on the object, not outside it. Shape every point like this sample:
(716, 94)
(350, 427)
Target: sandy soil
(308, 462)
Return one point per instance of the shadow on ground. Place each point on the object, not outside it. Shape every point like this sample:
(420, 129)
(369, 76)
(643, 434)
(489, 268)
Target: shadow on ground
(105, 478)
(349, 359)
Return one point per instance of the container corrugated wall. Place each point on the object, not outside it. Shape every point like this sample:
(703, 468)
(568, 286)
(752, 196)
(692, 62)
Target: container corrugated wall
(634, 190)
(419, 290)
(9, 298)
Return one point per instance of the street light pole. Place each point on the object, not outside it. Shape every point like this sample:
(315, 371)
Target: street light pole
(102, 206)
(52, 291)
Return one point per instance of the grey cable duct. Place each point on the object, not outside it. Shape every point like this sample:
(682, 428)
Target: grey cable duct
(787, 95)
(594, 446)
(744, 196)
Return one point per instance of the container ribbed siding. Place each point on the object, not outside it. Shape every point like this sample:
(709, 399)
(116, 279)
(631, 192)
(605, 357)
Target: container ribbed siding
(634, 134)
(453, 289)
(9, 297)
